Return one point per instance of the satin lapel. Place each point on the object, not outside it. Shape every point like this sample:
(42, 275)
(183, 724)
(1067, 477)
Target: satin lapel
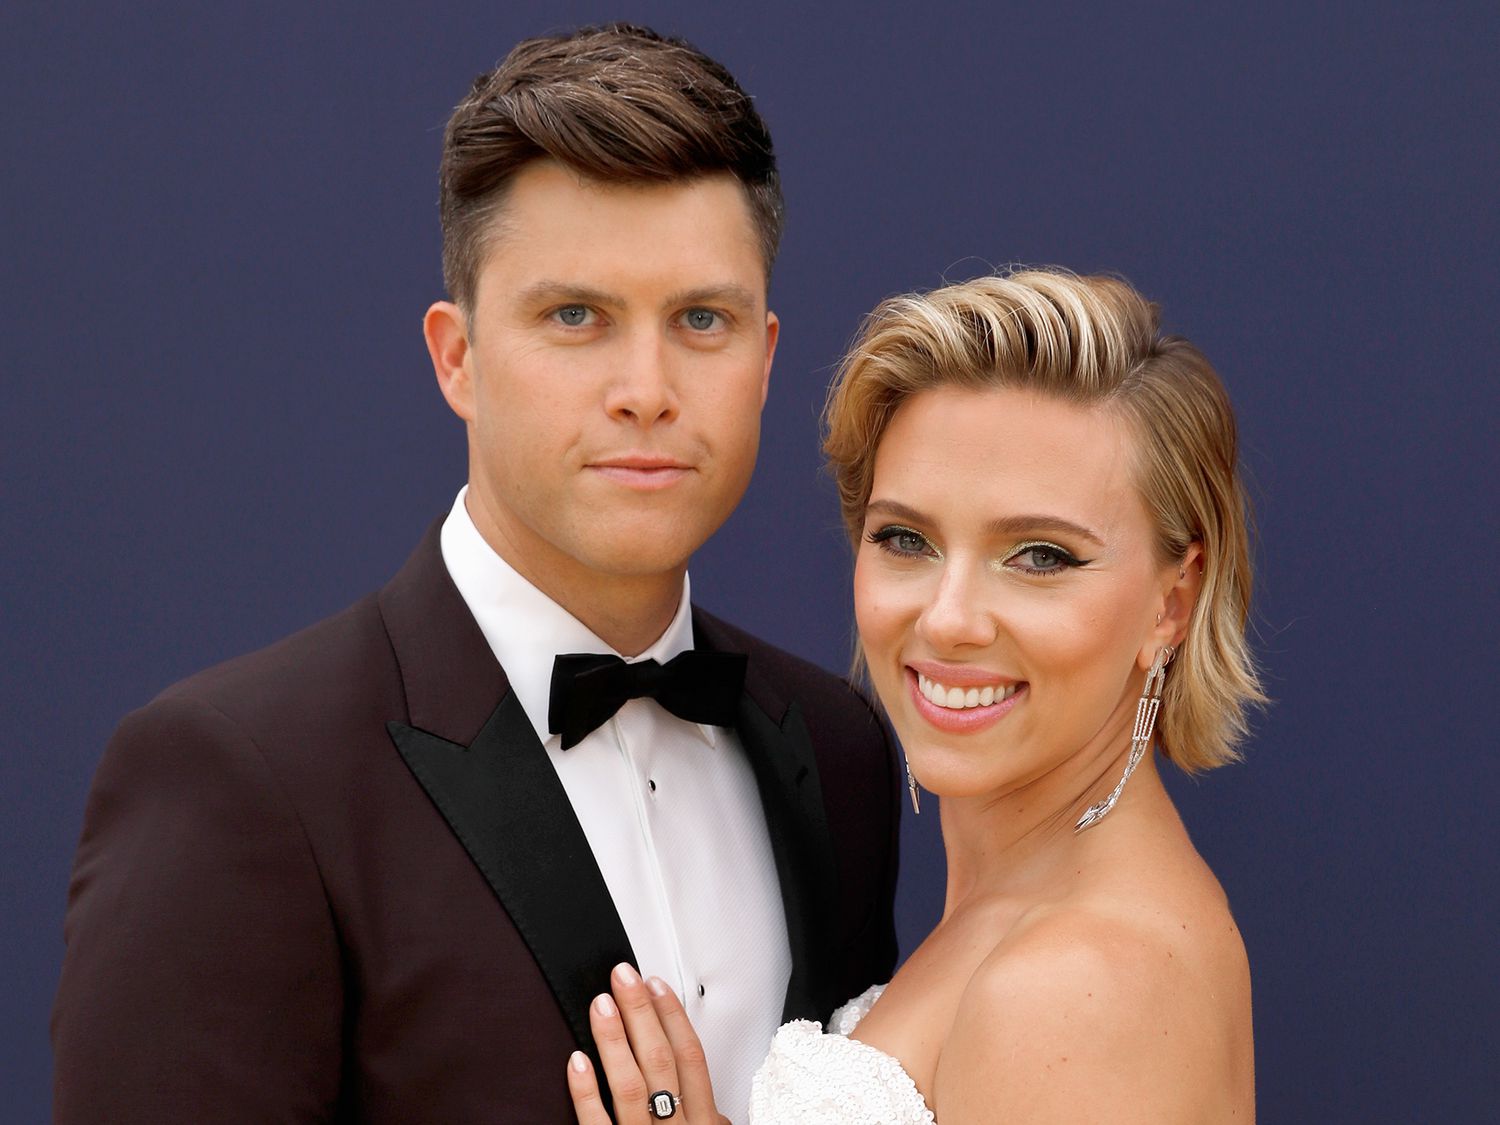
(786, 772)
(504, 802)
(467, 741)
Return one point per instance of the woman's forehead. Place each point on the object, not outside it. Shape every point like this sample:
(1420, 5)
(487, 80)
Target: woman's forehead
(1005, 433)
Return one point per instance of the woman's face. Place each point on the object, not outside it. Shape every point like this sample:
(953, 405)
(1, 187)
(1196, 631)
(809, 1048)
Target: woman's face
(1007, 587)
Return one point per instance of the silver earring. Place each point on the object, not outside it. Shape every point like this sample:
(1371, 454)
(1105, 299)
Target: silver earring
(916, 794)
(1140, 738)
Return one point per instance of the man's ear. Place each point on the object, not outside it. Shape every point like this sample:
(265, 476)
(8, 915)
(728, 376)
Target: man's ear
(446, 331)
(773, 333)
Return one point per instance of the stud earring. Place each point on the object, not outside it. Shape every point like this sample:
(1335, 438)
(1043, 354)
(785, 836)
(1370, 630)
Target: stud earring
(916, 794)
(1140, 738)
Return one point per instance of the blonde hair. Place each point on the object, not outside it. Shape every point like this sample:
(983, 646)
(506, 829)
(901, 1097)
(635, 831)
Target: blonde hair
(1088, 340)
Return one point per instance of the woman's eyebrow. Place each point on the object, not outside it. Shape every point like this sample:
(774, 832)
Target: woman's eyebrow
(1018, 525)
(1004, 525)
(897, 509)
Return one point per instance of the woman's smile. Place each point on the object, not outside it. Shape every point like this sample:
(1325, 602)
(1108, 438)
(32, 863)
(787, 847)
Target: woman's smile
(959, 699)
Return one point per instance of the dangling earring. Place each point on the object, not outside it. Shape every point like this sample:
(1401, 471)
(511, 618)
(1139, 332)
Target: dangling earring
(916, 794)
(1140, 738)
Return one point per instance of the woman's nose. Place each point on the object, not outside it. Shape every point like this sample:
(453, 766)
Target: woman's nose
(958, 615)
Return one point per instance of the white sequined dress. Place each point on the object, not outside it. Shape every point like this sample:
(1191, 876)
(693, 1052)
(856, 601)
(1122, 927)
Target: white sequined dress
(813, 1077)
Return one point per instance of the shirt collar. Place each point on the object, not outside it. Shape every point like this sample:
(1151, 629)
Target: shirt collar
(526, 629)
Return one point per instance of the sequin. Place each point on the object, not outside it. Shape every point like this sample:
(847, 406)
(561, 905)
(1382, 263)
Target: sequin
(813, 1078)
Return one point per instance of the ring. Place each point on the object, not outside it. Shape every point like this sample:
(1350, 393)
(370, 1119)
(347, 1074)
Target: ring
(663, 1104)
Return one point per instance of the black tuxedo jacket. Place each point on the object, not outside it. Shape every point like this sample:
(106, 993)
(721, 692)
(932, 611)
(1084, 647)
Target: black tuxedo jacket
(339, 880)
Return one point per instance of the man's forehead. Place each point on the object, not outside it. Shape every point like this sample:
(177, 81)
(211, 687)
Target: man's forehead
(546, 194)
(578, 238)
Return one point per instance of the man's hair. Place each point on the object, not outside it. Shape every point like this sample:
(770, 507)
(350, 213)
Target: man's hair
(1096, 342)
(617, 103)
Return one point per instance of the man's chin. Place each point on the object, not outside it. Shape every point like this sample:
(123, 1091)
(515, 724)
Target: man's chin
(640, 544)
(628, 560)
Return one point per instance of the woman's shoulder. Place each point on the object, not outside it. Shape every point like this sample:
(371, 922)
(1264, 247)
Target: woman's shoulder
(1115, 1001)
(1112, 950)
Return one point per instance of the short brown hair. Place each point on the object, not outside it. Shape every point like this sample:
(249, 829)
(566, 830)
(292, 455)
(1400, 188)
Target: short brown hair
(618, 103)
(1093, 341)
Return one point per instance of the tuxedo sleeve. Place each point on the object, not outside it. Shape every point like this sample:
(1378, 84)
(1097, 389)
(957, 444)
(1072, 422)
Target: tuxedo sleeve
(863, 793)
(874, 949)
(201, 979)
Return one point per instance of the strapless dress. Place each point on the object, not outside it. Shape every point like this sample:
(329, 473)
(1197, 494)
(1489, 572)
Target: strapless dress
(818, 1077)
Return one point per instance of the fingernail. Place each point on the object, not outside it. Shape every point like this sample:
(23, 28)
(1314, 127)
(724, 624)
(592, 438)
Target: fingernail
(578, 1062)
(657, 986)
(604, 1005)
(625, 974)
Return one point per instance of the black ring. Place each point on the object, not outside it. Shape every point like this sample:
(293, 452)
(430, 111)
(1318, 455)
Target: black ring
(663, 1099)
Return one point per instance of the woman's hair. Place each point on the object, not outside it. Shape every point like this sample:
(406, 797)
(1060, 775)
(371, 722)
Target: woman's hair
(1088, 340)
(616, 103)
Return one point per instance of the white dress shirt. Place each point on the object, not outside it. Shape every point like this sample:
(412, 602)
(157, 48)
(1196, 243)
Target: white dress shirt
(672, 813)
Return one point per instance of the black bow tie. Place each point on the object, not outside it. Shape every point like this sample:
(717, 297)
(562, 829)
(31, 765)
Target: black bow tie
(701, 687)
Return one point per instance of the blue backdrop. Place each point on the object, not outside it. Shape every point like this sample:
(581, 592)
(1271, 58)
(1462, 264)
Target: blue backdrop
(220, 232)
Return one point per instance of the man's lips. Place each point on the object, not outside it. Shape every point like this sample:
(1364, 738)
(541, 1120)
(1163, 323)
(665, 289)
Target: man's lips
(641, 472)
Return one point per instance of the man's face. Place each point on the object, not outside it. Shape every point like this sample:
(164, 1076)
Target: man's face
(613, 373)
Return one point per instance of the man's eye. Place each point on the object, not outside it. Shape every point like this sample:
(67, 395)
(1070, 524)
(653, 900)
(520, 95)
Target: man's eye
(700, 320)
(900, 541)
(574, 316)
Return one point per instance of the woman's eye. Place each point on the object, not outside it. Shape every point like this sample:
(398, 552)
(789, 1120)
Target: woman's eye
(701, 320)
(1042, 558)
(902, 541)
(574, 316)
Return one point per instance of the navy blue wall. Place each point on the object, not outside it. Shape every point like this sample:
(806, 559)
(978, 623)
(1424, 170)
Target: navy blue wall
(218, 233)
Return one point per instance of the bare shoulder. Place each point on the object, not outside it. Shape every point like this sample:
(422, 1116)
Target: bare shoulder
(1109, 1012)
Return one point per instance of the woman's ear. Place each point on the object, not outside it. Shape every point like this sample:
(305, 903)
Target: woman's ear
(446, 331)
(1181, 583)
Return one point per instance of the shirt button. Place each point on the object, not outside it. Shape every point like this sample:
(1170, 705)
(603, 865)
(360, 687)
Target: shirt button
(651, 781)
(701, 990)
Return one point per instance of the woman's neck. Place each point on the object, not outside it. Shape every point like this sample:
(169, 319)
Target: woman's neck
(1023, 844)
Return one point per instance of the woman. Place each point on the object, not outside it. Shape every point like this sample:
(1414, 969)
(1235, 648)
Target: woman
(1051, 575)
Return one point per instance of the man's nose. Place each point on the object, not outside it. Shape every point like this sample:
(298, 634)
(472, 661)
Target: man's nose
(958, 615)
(642, 389)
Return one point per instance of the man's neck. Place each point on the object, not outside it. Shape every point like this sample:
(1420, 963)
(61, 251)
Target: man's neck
(629, 619)
(628, 612)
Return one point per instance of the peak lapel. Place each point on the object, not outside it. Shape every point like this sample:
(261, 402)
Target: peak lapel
(786, 772)
(781, 754)
(504, 802)
(468, 742)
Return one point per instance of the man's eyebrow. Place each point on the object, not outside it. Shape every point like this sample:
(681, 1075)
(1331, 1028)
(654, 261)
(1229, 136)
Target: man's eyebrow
(543, 291)
(728, 294)
(1004, 525)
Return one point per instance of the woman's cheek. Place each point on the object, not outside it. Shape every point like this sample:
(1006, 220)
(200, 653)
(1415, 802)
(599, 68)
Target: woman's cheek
(878, 604)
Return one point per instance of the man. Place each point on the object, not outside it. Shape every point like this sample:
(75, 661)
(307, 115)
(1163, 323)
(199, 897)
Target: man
(377, 871)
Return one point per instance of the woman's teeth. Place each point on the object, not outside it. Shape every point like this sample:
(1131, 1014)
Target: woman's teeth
(961, 699)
